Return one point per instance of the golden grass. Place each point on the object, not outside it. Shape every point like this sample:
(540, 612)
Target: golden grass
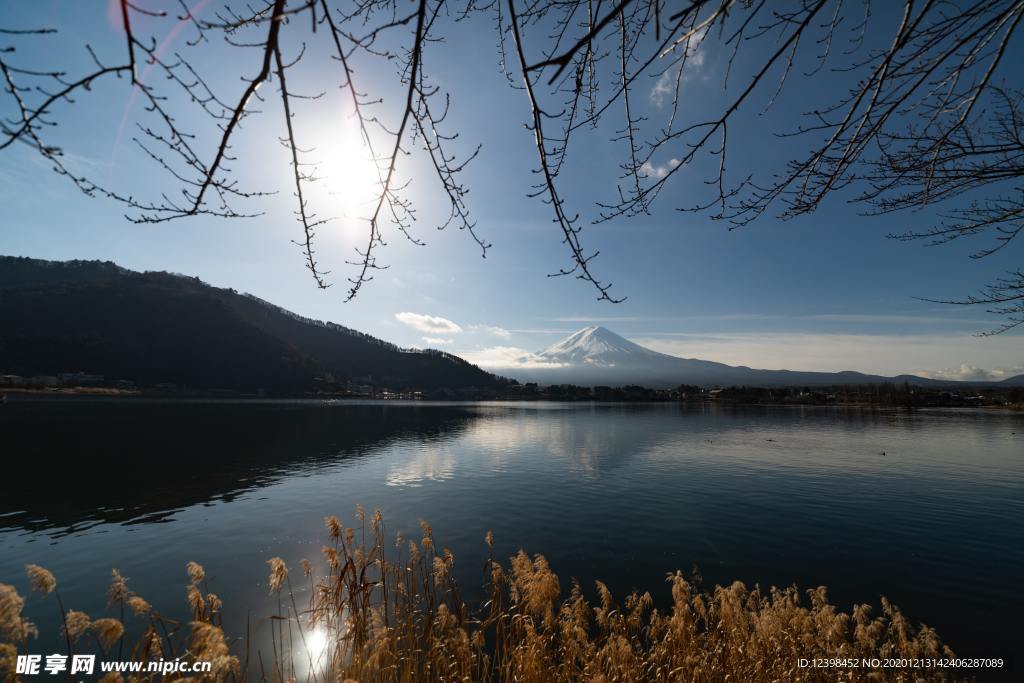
(379, 612)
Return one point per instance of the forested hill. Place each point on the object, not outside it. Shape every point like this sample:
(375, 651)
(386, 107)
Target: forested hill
(152, 328)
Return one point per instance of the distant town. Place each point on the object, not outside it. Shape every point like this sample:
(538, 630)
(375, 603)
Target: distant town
(67, 384)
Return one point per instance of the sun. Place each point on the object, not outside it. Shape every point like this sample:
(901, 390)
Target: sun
(316, 644)
(346, 172)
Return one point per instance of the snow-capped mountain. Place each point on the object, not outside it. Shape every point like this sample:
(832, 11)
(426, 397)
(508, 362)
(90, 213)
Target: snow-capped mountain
(597, 356)
(599, 347)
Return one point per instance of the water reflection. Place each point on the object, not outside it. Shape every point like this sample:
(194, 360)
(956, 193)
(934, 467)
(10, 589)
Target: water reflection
(138, 463)
(593, 440)
(434, 463)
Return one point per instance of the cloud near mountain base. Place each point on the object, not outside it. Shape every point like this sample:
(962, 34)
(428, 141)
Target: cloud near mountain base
(508, 358)
(971, 373)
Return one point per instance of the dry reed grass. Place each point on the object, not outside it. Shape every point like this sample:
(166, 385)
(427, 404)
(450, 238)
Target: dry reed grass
(383, 612)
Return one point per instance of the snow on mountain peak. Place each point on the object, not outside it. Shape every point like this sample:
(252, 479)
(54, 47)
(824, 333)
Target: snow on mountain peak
(595, 345)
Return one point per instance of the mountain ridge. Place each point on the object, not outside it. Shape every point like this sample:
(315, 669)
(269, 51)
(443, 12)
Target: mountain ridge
(595, 355)
(157, 327)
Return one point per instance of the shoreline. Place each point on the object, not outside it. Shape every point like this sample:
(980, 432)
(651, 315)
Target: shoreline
(83, 394)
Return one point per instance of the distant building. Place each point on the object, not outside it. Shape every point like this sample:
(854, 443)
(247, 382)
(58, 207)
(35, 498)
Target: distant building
(366, 390)
(80, 379)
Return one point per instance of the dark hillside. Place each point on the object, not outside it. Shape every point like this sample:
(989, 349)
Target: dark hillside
(153, 328)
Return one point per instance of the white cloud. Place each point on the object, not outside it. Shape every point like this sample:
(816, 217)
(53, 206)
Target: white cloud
(437, 341)
(972, 373)
(507, 357)
(428, 323)
(649, 170)
(492, 329)
(665, 87)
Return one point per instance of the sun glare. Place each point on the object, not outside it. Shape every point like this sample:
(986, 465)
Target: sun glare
(316, 644)
(347, 173)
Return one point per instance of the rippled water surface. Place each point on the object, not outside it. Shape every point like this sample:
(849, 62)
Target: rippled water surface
(926, 507)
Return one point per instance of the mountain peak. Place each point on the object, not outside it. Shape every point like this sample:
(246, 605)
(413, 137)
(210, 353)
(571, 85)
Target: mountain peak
(595, 346)
(593, 331)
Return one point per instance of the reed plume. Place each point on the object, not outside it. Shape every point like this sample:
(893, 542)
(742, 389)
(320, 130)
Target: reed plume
(139, 606)
(13, 626)
(334, 527)
(118, 591)
(278, 574)
(195, 600)
(209, 645)
(196, 573)
(108, 631)
(8, 662)
(76, 624)
(41, 579)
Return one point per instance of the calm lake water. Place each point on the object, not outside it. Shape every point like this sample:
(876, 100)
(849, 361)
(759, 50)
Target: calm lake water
(624, 493)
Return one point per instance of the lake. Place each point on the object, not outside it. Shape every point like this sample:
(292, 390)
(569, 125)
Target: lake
(925, 507)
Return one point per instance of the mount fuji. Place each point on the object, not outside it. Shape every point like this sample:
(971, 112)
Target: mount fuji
(600, 348)
(597, 356)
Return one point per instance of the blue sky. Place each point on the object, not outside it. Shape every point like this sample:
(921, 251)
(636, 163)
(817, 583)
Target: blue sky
(823, 292)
